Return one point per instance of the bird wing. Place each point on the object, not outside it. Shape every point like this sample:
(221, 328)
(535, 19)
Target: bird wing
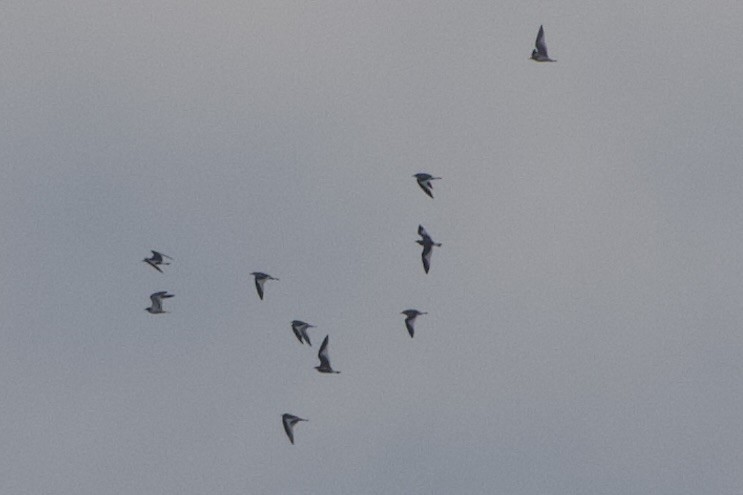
(259, 286)
(426, 257)
(540, 43)
(323, 354)
(409, 324)
(422, 232)
(426, 186)
(287, 420)
(162, 255)
(156, 299)
(295, 329)
(153, 265)
(305, 336)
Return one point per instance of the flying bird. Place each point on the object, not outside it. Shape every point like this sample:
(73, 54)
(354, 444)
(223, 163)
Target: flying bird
(157, 302)
(424, 180)
(260, 279)
(289, 421)
(411, 314)
(324, 361)
(157, 259)
(539, 54)
(300, 330)
(428, 245)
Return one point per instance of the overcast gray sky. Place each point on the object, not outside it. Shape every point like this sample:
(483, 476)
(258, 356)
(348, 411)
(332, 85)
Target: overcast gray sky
(584, 333)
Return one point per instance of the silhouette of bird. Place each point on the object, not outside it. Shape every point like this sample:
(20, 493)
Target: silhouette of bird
(411, 314)
(539, 54)
(324, 360)
(157, 302)
(289, 421)
(428, 245)
(424, 180)
(300, 330)
(260, 279)
(157, 259)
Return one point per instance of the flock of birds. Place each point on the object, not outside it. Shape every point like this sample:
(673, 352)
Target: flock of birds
(157, 260)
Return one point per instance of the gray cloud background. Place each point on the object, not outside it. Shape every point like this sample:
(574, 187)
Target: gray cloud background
(584, 327)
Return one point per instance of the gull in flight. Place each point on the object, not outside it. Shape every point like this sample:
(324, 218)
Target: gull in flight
(157, 302)
(260, 279)
(300, 330)
(411, 314)
(539, 54)
(157, 259)
(428, 245)
(324, 361)
(289, 421)
(424, 180)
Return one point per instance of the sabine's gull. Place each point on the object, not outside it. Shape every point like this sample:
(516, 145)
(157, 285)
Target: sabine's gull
(424, 180)
(428, 245)
(324, 360)
(157, 259)
(157, 302)
(411, 314)
(289, 421)
(300, 330)
(539, 54)
(260, 279)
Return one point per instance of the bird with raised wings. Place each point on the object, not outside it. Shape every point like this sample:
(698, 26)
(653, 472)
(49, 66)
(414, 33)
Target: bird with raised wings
(539, 54)
(411, 315)
(428, 246)
(324, 360)
(157, 259)
(260, 279)
(289, 420)
(424, 181)
(157, 302)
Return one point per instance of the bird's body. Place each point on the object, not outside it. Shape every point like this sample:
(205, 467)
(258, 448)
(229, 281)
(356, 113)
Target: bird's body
(411, 315)
(260, 279)
(289, 420)
(324, 360)
(157, 259)
(300, 330)
(428, 246)
(424, 181)
(157, 302)
(539, 54)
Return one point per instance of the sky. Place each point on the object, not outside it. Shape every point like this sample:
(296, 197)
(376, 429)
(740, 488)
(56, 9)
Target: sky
(585, 312)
